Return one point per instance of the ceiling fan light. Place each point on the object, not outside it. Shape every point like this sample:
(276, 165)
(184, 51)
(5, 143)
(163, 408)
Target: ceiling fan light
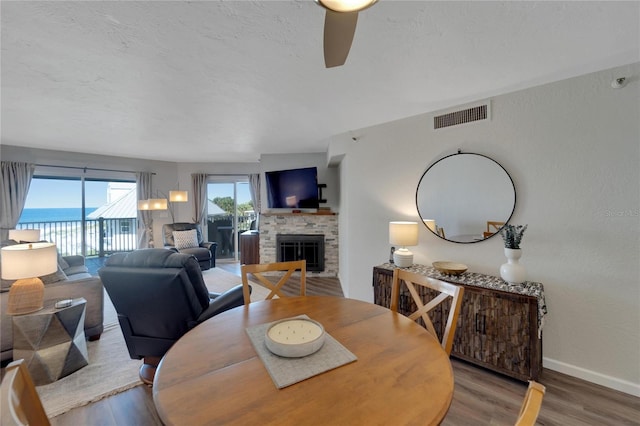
(346, 5)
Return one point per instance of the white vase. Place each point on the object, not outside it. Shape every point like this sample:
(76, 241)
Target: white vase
(512, 271)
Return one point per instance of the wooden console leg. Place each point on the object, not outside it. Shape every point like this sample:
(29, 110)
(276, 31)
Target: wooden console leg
(148, 369)
(94, 337)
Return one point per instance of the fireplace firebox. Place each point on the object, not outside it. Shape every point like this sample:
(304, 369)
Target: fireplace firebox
(301, 246)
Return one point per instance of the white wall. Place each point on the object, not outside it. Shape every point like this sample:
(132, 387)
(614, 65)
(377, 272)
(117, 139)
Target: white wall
(573, 151)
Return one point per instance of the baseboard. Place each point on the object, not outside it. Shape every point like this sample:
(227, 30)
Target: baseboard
(593, 377)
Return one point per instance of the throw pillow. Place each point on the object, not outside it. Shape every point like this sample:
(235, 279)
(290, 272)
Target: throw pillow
(54, 277)
(62, 263)
(185, 239)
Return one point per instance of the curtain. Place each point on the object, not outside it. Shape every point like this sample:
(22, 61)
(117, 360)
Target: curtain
(199, 183)
(14, 184)
(145, 219)
(254, 190)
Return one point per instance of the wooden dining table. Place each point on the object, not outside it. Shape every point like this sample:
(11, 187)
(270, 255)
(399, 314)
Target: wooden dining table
(214, 376)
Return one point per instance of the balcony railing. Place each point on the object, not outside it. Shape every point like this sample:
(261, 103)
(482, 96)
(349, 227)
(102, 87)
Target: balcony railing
(101, 237)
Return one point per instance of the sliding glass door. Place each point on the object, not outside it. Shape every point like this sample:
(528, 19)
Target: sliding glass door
(229, 213)
(89, 217)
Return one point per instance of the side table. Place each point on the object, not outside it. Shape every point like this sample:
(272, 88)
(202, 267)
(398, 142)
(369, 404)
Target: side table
(51, 341)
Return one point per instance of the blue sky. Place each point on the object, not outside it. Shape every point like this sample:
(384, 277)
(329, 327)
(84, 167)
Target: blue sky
(59, 193)
(226, 190)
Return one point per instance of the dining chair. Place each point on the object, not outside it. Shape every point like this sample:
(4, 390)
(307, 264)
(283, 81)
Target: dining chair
(21, 403)
(445, 289)
(493, 227)
(531, 404)
(287, 268)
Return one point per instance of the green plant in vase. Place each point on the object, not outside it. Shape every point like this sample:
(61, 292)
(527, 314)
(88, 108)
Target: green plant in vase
(512, 235)
(512, 271)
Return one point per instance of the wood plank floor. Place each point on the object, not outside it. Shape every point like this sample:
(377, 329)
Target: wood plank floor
(481, 397)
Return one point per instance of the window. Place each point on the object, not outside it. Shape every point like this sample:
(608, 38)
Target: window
(91, 217)
(229, 212)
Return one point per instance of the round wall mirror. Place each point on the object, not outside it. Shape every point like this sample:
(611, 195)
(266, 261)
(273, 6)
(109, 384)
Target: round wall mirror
(465, 197)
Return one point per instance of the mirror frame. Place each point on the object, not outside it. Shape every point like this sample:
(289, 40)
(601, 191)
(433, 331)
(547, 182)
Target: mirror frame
(454, 155)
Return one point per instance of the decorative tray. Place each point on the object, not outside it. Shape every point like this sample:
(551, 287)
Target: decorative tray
(450, 268)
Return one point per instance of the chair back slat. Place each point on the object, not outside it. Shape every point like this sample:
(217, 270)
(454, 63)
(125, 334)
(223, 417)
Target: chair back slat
(531, 404)
(21, 403)
(287, 268)
(446, 290)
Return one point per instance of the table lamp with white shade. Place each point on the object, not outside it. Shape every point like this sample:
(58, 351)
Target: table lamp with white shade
(24, 235)
(25, 263)
(403, 234)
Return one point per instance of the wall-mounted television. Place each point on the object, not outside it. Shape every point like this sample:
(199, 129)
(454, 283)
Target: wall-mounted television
(292, 189)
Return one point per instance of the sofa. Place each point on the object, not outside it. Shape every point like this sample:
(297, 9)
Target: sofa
(72, 280)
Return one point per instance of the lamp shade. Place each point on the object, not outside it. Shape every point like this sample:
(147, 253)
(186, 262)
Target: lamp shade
(403, 233)
(26, 235)
(158, 204)
(143, 205)
(178, 196)
(346, 5)
(25, 263)
(28, 260)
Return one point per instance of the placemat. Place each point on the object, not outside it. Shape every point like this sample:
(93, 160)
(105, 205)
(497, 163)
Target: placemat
(287, 371)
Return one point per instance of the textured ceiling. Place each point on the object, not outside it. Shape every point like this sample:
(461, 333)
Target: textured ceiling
(228, 81)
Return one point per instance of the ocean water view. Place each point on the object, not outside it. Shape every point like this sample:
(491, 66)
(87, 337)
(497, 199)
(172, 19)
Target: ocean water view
(64, 227)
(53, 214)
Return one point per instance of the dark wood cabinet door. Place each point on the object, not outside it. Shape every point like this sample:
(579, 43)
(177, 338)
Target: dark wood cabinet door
(249, 248)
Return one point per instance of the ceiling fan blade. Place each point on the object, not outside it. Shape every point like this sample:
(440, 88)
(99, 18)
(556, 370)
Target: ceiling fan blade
(339, 28)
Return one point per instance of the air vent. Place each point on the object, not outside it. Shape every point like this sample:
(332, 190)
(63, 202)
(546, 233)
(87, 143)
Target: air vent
(459, 117)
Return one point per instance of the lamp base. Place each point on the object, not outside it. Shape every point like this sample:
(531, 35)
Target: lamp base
(25, 296)
(402, 258)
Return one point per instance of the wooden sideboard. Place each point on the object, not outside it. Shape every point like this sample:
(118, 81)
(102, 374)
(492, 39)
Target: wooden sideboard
(250, 248)
(498, 328)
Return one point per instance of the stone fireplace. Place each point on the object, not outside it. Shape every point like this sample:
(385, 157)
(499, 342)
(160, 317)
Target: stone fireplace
(301, 226)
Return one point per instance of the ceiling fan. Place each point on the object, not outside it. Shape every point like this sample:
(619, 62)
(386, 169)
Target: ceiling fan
(339, 28)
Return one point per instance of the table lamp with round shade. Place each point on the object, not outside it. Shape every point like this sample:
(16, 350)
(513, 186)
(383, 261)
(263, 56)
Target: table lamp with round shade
(25, 263)
(403, 234)
(24, 235)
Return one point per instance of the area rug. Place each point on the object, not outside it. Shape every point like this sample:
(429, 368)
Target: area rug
(218, 280)
(110, 370)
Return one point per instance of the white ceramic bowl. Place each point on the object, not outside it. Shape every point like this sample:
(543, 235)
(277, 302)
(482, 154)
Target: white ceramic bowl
(294, 337)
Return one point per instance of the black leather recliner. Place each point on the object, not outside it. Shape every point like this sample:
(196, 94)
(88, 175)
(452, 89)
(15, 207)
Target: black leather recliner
(159, 295)
(205, 253)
